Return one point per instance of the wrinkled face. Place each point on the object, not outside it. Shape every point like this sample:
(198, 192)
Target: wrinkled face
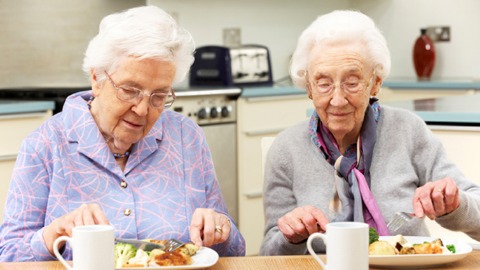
(128, 121)
(346, 67)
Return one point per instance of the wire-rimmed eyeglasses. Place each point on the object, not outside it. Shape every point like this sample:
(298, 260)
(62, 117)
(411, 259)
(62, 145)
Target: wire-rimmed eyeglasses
(134, 95)
(350, 86)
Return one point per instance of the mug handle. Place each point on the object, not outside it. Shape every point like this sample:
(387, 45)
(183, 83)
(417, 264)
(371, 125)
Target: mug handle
(312, 252)
(57, 253)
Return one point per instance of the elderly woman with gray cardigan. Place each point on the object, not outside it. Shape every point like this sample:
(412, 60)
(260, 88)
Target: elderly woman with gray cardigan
(356, 160)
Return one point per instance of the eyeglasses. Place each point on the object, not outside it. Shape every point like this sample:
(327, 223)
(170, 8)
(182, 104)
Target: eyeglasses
(134, 95)
(350, 86)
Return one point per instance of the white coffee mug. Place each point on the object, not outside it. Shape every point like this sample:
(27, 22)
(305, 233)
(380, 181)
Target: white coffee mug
(347, 246)
(92, 247)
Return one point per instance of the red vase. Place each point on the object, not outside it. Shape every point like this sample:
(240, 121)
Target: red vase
(424, 56)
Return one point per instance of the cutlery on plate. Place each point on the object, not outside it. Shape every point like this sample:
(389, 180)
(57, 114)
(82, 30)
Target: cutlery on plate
(139, 244)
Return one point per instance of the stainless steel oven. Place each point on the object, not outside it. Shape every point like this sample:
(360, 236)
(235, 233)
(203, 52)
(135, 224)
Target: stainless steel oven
(215, 111)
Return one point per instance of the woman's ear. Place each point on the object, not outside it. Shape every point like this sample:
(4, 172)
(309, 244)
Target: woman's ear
(308, 88)
(94, 82)
(377, 85)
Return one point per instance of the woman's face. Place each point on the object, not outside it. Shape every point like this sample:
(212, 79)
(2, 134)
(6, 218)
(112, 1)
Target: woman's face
(343, 65)
(126, 122)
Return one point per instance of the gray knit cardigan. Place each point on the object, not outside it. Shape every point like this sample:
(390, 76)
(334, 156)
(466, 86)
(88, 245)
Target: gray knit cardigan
(406, 155)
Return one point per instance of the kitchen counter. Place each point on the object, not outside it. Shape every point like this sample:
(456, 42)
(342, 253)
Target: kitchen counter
(414, 84)
(392, 83)
(24, 106)
(249, 92)
(453, 110)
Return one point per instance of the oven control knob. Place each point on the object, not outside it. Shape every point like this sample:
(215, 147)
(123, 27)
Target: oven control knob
(202, 113)
(225, 112)
(213, 112)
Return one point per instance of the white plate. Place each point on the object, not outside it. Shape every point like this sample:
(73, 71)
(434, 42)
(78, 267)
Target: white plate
(420, 261)
(205, 257)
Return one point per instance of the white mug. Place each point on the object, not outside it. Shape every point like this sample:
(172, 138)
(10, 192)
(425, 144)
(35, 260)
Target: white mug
(347, 246)
(92, 247)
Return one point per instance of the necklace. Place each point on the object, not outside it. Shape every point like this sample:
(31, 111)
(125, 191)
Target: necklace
(115, 155)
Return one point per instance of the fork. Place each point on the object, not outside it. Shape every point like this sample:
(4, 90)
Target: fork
(140, 244)
(173, 244)
(399, 220)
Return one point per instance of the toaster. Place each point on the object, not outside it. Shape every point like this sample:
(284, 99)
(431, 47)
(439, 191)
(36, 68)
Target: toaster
(246, 65)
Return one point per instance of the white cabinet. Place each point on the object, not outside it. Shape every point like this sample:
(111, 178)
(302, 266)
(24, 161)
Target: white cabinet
(260, 117)
(14, 127)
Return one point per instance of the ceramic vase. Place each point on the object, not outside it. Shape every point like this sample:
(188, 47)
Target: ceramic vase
(424, 56)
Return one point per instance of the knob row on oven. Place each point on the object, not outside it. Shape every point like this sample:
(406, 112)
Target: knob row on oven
(213, 112)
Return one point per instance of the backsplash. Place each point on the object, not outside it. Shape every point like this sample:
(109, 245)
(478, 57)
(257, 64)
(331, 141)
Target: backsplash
(43, 41)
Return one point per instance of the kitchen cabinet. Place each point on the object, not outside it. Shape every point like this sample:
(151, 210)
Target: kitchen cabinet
(15, 127)
(259, 117)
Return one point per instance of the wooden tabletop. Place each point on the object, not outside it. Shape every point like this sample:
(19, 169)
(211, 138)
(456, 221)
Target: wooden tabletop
(472, 261)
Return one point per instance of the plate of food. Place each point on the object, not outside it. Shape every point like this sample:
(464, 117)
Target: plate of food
(415, 251)
(188, 256)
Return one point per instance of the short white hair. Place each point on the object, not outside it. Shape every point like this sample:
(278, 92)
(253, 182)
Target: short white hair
(145, 32)
(340, 25)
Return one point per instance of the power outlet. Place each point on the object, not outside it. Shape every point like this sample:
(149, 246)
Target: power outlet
(439, 33)
(232, 37)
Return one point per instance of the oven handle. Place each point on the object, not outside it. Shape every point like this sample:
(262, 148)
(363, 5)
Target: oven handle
(254, 194)
(262, 132)
(8, 157)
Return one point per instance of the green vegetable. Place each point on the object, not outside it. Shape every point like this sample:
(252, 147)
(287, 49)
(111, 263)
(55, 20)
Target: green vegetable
(123, 252)
(451, 248)
(373, 235)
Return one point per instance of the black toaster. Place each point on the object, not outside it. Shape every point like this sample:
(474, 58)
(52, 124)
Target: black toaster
(246, 65)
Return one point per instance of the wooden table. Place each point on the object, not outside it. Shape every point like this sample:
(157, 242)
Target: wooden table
(472, 261)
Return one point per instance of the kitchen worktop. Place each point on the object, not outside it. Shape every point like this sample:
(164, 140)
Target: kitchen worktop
(434, 83)
(391, 83)
(24, 106)
(452, 110)
(248, 92)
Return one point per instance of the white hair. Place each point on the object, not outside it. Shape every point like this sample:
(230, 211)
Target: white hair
(340, 25)
(145, 32)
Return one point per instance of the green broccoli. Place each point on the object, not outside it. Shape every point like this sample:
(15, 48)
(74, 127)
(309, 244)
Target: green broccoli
(123, 252)
(451, 248)
(373, 235)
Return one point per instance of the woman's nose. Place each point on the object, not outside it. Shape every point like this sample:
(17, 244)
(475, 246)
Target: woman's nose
(142, 105)
(339, 98)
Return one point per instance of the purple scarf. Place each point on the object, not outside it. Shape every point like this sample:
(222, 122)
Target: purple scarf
(352, 200)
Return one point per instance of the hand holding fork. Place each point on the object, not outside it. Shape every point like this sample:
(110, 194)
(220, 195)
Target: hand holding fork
(433, 199)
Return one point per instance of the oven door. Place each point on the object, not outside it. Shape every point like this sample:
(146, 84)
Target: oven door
(221, 139)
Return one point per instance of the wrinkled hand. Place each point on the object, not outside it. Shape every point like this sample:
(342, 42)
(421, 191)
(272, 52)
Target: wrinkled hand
(436, 198)
(86, 214)
(209, 227)
(298, 224)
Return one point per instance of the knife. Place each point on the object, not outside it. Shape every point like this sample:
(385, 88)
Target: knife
(139, 244)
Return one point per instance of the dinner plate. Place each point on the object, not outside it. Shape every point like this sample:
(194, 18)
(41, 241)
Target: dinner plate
(205, 257)
(420, 260)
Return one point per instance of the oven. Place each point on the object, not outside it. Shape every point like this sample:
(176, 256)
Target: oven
(215, 111)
